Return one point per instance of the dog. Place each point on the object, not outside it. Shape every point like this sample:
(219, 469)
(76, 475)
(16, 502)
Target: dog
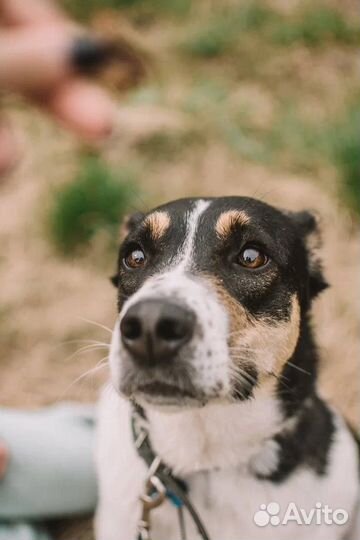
(214, 352)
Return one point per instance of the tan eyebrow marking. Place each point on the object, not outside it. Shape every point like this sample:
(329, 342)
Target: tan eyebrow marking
(158, 223)
(227, 220)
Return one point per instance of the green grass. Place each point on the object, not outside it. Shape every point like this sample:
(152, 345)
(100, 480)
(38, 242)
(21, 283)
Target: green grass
(205, 95)
(169, 146)
(312, 25)
(207, 102)
(141, 9)
(345, 152)
(150, 94)
(95, 200)
(291, 141)
(84, 9)
(294, 142)
(243, 38)
(224, 28)
(316, 25)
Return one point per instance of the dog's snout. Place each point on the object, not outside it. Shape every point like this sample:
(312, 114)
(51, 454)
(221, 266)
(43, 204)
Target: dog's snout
(155, 330)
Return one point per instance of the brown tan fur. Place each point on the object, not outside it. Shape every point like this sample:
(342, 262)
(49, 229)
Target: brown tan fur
(158, 223)
(273, 344)
(281, 338)
(228, 220)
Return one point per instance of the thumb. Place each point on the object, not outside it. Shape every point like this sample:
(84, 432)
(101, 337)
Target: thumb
(35, 59)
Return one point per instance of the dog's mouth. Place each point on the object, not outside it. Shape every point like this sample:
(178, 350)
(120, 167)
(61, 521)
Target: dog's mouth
(166, 390)
(169, 383)
(161, 393)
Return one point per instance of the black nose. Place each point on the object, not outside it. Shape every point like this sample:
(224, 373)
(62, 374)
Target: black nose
(155, 330)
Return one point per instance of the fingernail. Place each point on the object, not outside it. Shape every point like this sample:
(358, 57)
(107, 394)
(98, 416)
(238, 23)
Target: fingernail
(89, 54)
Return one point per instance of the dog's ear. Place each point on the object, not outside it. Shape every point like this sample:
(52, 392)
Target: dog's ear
(128, 224)
(308, 227)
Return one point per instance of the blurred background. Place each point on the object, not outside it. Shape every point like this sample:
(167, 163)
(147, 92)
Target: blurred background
(251, 97)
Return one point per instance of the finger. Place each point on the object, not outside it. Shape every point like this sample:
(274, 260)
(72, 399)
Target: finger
(23, 12)
(84, 108)
(9, 149)
(34, 59)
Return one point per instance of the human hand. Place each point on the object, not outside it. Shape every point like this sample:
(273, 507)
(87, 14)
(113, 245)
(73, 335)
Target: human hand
(42, 54)
(4, 458)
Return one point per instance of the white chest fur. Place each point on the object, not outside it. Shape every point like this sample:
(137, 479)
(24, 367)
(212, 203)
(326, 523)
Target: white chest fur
(212, 450)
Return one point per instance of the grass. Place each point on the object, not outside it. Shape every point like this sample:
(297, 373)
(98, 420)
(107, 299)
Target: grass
(295, 143)
(207, 102)
(83, 10)
(223, 29)
(243, 39)
(204, 96)
(169, 146)
(141, 9)
(312, 25)
(290, 141)
(316, 25)
(345, 152)
(299, 144)
(146, 95)
(95, 200)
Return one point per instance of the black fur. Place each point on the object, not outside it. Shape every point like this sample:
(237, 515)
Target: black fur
(298, 377)
(308, 444)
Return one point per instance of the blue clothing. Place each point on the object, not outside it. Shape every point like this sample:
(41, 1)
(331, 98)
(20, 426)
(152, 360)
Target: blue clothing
(51, 471)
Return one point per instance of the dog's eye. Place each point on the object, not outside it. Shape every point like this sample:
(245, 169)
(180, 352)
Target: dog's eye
(251, 257)
(135, 258)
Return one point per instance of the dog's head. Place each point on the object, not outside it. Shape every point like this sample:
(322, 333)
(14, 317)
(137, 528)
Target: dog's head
(212, 294)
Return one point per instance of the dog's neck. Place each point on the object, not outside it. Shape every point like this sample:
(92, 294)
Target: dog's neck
(216, 436)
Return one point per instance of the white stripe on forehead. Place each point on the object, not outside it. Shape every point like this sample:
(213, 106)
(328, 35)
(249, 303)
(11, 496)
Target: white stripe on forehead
(193, 218)
(172, 278)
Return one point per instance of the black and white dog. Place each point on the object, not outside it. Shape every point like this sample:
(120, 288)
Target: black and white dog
(214, 342)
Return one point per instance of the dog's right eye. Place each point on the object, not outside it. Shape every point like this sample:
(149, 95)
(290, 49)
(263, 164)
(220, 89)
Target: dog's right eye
(135, 258)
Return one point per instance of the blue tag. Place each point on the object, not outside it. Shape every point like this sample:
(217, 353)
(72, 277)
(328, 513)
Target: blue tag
(174, 499)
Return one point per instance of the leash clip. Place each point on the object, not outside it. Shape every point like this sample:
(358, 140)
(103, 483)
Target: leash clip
(154, 496)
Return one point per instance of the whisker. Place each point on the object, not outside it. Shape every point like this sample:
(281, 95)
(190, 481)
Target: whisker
(242, 375)
(298, 368)
(233, 398)
(97, 324)
(98, 367)
(246, 349)
(281, 379)
(84, 341)
(86, 348)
